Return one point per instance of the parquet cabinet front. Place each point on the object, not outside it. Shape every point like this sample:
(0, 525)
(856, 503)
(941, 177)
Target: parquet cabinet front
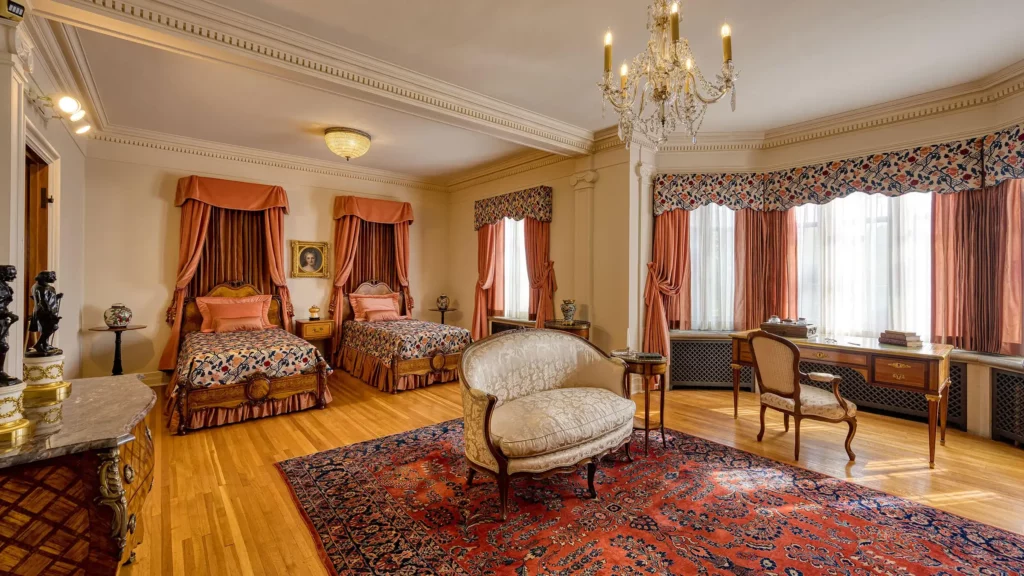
(77, 513)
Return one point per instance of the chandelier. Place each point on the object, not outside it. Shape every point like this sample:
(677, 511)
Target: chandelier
(348, 143)
(663, 89)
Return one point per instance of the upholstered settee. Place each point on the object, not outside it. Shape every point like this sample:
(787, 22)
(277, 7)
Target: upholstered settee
(541, 401)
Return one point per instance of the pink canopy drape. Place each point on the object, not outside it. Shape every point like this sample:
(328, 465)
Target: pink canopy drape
(197, 196)
(349, 212)
(488, 237)
(668, 279)
(540, 269)
(273, 235)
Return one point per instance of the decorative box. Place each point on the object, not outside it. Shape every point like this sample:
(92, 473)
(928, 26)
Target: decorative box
(790, 329)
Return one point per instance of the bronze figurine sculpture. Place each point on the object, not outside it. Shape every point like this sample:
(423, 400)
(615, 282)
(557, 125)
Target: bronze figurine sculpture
(8, 274)
(45, 314)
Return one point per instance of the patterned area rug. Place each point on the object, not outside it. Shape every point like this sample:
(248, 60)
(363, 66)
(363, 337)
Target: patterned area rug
(400, 505)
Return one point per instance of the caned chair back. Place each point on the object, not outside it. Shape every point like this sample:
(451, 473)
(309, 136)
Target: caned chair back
(777, 363)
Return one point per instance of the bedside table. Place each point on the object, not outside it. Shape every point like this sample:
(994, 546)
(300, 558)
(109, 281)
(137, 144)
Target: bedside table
(316, 332)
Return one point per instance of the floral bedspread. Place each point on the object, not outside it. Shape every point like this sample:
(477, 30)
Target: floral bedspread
(211, 359)
(404, 339)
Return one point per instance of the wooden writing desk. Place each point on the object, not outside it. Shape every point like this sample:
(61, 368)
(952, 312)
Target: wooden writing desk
(923, 370)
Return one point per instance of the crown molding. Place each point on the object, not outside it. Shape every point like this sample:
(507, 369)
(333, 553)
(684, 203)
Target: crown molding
(504, 168)
(212, 31)
(195, 147)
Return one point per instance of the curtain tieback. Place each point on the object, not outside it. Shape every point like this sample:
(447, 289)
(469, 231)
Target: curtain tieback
(655, 287)
(172, 310)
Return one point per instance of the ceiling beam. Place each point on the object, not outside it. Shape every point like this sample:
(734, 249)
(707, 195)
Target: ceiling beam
(202, 29)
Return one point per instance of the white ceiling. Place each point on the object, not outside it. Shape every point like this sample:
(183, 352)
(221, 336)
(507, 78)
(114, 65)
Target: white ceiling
(798, 59)
(153, 89)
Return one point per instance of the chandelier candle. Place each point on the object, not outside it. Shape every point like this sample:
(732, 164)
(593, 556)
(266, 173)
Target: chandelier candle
(663, 88)
(608, 52)
(726, 42)
(675, 22)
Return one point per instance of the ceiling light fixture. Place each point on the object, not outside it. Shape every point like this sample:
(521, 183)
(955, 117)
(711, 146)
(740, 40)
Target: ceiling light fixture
(348, 143)
(83, 129)
(69, 105)
(674, 91)
(77, 116)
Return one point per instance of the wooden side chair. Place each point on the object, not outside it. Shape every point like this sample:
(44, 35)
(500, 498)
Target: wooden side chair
(777, 366)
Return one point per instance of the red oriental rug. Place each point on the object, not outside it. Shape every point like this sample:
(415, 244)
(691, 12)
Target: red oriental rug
(400, 505)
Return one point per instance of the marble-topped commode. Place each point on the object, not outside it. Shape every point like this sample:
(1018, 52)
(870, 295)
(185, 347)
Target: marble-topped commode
(100, 413)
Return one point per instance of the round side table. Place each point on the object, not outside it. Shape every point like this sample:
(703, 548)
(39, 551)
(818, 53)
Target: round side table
(117, 371)
(443, 312)
(580, 328)
(649, 371)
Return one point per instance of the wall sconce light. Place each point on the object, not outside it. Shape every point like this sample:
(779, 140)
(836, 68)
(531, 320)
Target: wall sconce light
(68, 107)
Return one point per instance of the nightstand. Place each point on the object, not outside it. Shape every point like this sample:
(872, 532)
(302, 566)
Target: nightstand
(316, 332)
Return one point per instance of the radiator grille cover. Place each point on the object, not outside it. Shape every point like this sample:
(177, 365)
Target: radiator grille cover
(709, 364)
(1007, 405)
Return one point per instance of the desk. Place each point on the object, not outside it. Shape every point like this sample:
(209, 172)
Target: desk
(924, 370)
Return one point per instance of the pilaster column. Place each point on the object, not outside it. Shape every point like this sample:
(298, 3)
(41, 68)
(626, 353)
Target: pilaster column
(15, 64)
(641, 222)
(583, 242)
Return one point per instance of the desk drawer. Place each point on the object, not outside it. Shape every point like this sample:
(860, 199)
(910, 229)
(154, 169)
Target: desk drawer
(743, 350)
(833, 357)
(319, 330)
(900, 371)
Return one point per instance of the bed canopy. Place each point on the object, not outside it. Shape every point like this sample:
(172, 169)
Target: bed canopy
(371, 240)
(230, 231)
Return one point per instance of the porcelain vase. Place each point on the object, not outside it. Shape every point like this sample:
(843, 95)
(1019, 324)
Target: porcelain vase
(442, 302)
(569, 310)
(117, 316)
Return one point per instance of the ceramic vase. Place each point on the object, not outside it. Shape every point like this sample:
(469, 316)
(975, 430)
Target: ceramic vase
(569, 310)
(442, 302)
(117, 316)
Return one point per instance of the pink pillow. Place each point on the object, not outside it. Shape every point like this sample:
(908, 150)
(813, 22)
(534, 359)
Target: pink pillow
(246, 306)
(246, 324)
(361, 303)
(381, 315)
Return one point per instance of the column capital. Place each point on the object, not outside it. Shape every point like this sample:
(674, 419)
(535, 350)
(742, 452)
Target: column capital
(645, 172)
(16, 42)
(583, 180)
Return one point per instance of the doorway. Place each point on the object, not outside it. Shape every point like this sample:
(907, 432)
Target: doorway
(37, 232)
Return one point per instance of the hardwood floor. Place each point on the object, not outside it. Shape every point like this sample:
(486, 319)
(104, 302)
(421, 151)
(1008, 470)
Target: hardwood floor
(220, 507)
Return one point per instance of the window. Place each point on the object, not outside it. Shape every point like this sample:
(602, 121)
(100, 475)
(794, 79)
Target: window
(517, 282)
(712, 267)
(864, 264)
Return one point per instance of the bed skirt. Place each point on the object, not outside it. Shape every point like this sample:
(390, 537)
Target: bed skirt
(374, 372)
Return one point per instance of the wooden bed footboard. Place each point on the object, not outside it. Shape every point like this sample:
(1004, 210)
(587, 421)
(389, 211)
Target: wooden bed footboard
(254, 391)
(438, 362)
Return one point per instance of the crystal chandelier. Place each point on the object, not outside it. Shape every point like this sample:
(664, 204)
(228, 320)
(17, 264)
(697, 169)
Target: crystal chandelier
(674, 92)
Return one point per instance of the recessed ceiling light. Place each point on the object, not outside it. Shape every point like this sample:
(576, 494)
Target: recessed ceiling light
(77, 116)
(83, 129)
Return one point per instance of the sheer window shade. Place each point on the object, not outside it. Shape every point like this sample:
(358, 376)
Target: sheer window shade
(517, 281)
(712, 266)
(864, 264)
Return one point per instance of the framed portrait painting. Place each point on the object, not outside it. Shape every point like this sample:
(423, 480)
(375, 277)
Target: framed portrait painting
(309, 259)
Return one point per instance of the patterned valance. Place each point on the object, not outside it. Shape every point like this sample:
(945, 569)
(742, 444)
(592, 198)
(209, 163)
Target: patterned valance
(532, 202)
(943, 168)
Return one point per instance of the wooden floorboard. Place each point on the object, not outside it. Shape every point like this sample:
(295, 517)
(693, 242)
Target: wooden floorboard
(219, 506)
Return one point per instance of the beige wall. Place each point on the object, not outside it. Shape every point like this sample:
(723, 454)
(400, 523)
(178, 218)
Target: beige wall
(131, 235)
(610, 246)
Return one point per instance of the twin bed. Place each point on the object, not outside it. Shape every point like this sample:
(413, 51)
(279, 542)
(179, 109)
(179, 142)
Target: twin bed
(227, 377)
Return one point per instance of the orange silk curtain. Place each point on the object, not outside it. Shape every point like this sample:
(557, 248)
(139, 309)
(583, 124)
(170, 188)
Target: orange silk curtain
(234, 250)
(273, 236)
(667, 295)
(540, 269)
(977, 276)
(375, 259)
(195, 220)
(401, 235)
(489, 298)
(346, 244)
(766, 267)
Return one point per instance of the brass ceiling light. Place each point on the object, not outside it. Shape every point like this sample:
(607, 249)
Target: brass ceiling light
(348, 143)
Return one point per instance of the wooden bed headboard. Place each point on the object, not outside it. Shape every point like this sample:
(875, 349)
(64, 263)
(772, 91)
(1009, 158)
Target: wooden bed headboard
(192, 320)
(371, 287)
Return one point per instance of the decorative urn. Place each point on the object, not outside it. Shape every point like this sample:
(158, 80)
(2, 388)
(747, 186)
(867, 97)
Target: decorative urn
(117, 316)
(442, 302)
(569, 310)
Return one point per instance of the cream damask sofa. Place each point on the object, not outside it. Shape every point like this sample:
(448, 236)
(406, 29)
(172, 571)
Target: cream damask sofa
(537, 402)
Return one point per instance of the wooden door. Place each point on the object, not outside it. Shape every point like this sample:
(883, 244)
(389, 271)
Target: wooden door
(37, 232)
